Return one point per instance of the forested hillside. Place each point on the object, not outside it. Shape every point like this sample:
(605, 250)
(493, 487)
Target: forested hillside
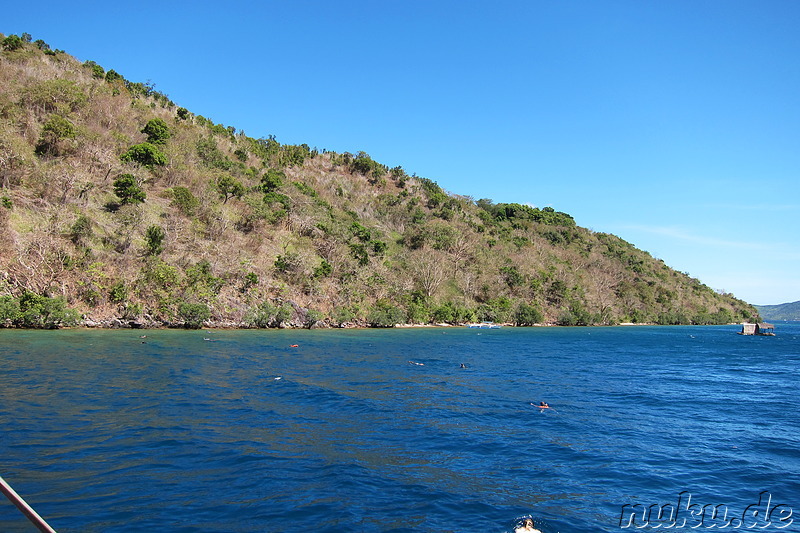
(787, 311)
(120, 207)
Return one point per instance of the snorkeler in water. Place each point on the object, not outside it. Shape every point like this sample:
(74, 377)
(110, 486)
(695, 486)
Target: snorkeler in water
(526, 527)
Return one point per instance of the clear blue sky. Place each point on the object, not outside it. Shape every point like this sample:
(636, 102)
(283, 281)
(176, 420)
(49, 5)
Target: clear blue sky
(673, 124)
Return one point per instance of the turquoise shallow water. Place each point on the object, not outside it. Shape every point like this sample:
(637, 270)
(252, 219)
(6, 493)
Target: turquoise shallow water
(105, 432)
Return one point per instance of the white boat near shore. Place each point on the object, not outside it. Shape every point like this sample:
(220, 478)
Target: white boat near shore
(484, 325)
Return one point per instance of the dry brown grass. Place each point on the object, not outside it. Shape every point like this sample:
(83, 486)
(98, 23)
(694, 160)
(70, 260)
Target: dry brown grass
(49, 194)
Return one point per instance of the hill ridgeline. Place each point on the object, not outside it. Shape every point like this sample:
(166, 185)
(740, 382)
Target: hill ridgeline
(788, 311)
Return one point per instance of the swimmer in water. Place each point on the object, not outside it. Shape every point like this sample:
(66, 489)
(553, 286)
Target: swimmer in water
(526, 527)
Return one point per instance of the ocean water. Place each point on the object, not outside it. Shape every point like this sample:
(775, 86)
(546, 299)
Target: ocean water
(382, 430)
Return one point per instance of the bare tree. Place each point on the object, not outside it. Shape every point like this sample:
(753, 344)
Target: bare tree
(428, 268)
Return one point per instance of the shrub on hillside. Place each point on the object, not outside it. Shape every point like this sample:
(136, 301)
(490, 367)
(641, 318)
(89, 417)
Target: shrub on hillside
(127, 189)
(57, 137)
(81, 230)
(157, 131)
(527, 315)
(193, 314)
(228, 187)
(146, 154)
(9, 311)
(112, 76)
(183, 199)
(58, 96)
(272, 180)
(324, 270)
(267, 315)
(210, 154)
(341, 316)
(201, 281)
(452, 313)
(364, 164)
(250, 281)
(12, 42)
(154, 240)
(118, 293)
(98, 72)
(385, 315)
(35, 311)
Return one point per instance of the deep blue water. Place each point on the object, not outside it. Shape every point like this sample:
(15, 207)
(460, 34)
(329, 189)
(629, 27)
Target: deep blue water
(102, 432)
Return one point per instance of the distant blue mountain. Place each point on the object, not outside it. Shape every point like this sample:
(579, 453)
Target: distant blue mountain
(788, 311)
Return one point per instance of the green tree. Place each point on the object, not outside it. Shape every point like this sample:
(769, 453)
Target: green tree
(112, 76)
(12, 42)
(42, 312)
(512, 276)
(127, 188)
(201, 281)
(183, 199)
(272, 180)
(342, 315)
(527, 315)
(58, 96)
(288, 264)
(385, 315)
(9, 311)
(210, 154)
(250, 280)
(55, 136)
(118, 292)
(312, 317)
(97, 71)
(418, 312)
(267, 315)
(229, 187)
(360, 232)
(495, 310)
(154, 239)
(323, 270)
(260, 316)
(574, 315)
(157, 131)
(379, 247)
(81, 230)
(146, 154)
(193, 314)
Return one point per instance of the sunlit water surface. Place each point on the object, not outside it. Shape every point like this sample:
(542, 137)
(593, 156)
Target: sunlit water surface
(382, 430)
